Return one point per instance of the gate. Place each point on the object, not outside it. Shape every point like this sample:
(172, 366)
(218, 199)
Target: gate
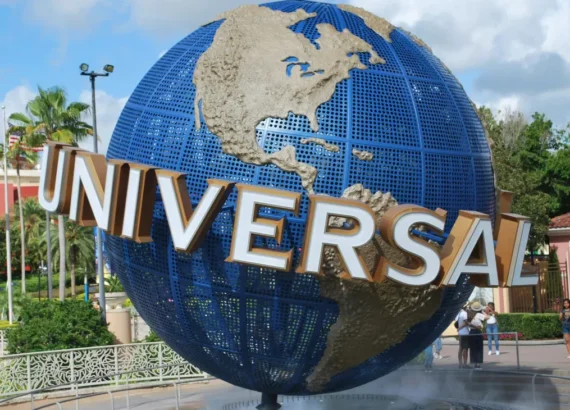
(547, 296)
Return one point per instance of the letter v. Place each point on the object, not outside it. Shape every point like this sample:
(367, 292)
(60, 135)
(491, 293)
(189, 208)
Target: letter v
(187, 226)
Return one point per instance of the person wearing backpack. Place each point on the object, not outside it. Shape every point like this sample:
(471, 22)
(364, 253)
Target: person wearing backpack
(462, 326)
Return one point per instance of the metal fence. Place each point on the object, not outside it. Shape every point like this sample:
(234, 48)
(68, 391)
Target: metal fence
(24, 373)
(547, 296)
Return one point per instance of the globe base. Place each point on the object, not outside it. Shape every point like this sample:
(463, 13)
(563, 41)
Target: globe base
(268, 402)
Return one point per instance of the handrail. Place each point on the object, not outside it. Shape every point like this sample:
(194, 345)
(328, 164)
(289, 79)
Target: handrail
(27, 372)
(76, 383)
(80, 349)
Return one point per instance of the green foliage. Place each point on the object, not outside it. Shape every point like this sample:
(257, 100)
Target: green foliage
(532, 160)
(419, 359)
(113, 284)
(54, 325)
(531, 325)
(5, 324)
(152, 338)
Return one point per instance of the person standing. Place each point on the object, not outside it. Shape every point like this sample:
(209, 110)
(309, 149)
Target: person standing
(565, 318)
(476, 319)
(438, 345)
(463, 331)
(428, 361)
(492, 329)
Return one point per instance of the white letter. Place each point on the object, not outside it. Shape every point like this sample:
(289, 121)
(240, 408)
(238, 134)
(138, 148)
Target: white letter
(54, 193)
(188, 227)
(88, 179)
(139, 203)
(248, 223)
(318, 234)
(470, 229)
(395, 228)
(512, 239)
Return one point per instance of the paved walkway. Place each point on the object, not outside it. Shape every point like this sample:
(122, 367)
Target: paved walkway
(548, 359)
(542, 359)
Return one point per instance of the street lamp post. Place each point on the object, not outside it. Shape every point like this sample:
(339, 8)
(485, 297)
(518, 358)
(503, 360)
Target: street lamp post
(7, 212)
(100, 262)
(41, 271)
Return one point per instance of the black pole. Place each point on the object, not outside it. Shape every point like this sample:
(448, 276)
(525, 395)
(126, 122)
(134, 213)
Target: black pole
(534, 304)
(268, 402)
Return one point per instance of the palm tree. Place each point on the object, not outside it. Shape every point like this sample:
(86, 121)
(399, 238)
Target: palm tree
(19, 154)
(50, 116)
(80, 248)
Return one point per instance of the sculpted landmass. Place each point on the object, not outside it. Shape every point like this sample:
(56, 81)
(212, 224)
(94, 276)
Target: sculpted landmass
(258, 68)
(363, 155)
(380, 26)
(322, 143)
(360, 330)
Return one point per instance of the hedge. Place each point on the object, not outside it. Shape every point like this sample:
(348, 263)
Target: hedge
(532, 325)
(4, 324)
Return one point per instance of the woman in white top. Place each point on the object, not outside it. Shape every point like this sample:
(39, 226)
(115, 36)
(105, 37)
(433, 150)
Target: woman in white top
(476, 319)
(492, 328)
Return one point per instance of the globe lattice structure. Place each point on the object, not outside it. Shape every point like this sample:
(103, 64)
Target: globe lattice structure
(266, 330)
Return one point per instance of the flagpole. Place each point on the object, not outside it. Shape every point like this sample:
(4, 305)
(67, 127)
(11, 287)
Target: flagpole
(7, 213)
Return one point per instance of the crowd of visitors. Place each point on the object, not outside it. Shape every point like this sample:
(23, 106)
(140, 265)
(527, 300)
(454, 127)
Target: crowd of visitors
(470, 322)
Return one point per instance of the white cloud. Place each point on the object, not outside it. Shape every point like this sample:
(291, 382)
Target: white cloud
(177, 16)
(65, 15)
(16, 99)
(480, 36)
(518, 47)
(108, 111)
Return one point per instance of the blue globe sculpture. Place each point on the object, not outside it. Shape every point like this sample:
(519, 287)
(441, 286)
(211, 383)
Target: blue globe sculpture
(392, 125)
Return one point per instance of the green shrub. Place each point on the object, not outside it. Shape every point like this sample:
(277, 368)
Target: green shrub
(54, 325)
(114, 285)
(542, 326)
(420, 359)
(4, 324)
(531, 325)
(152, 338)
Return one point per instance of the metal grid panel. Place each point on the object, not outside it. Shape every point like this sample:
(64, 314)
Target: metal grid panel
(266, 330)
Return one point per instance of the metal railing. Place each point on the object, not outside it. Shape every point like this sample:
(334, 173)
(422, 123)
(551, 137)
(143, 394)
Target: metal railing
(113, 394)
(24, 373)
(516, 340)
(127, 381)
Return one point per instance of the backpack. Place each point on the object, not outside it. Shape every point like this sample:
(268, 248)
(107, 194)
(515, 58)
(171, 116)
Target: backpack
(456, 324)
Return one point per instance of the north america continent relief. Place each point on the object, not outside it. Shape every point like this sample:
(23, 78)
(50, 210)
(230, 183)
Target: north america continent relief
(257, 68)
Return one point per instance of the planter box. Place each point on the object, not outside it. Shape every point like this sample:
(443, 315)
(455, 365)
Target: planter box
(114, 300)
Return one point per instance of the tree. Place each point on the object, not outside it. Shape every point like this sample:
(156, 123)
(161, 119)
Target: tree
(521, 151)
(79, 250)
(18, 154)
(54, 325)
(50, 116)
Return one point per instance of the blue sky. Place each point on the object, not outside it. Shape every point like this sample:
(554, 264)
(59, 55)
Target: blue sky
(505, 56)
